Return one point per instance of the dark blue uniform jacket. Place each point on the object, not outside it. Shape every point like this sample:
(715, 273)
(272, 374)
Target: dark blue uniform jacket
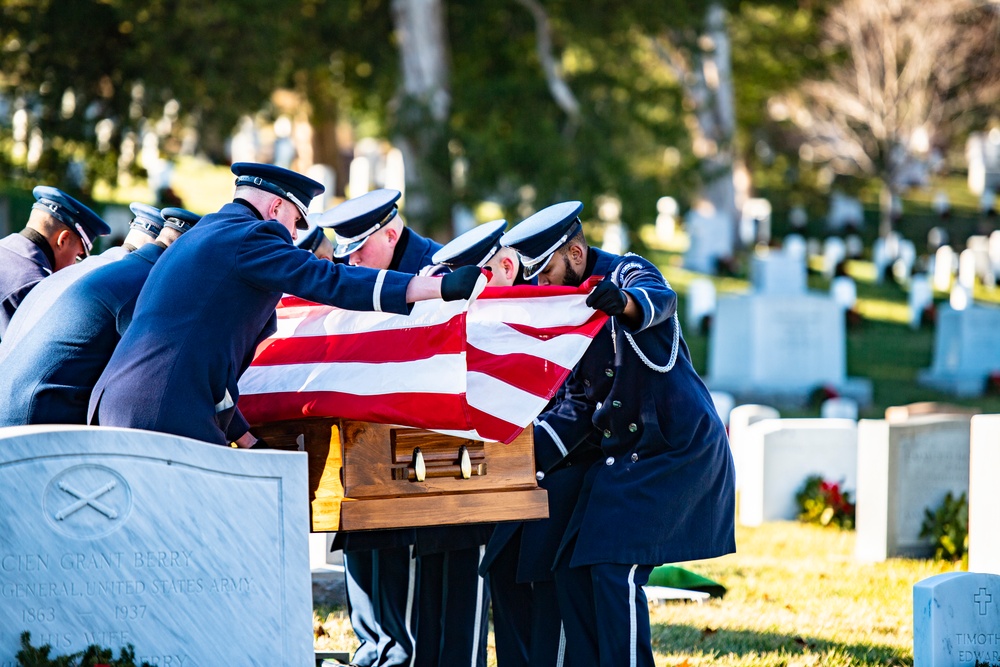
(208, 303)
(22, 265)
(47, 376)
(664, 489)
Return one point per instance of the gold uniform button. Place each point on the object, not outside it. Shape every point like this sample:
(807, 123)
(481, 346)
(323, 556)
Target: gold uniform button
(635, 457)
(610, 461)
(633, 428)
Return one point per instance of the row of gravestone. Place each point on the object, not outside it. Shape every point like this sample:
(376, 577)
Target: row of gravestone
(779, 342)
(898, 467)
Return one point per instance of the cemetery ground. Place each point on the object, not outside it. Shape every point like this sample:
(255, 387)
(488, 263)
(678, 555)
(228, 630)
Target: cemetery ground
(796, 597)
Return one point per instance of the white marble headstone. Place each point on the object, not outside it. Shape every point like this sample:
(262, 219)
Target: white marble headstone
(834, 252)
(779, 456)
(792, 343)
(794, 245)
(711, 239)
(844, 292)
(844, 211)
(984, 495)
(776, 273)
(700, 302)
(944, 268)
(921, 296)
(956, 620)
(193, 553)
(967, 269)
(723, 405)
(905, 468)
(839, 408)
(740, 419)
(965, 350)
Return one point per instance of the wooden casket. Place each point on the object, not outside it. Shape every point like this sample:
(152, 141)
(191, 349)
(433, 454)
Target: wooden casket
(365, 476)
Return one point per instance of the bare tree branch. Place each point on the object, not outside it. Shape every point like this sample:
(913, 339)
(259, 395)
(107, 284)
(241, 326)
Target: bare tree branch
(558, 87)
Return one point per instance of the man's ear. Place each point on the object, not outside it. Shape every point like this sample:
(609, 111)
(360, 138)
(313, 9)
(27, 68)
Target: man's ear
(391, 236)
(272, 210)
(575, 251)
(508, 268)
(63, 237)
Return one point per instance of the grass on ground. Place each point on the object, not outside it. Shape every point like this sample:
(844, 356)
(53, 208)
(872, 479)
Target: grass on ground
(796, 597)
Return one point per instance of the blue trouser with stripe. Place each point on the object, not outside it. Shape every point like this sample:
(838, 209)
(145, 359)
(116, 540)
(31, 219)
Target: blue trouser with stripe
(381, 585)
(454, 603)
(605, 614)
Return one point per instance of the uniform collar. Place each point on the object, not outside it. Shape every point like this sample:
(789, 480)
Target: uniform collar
(400, 250)
(253, 209)
(42, 243)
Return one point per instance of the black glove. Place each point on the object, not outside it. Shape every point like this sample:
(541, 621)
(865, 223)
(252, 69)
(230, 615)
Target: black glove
(459, 283)
(260, 444)
(608, 297)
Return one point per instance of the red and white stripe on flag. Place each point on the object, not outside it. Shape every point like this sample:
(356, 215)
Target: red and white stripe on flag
(483, 369)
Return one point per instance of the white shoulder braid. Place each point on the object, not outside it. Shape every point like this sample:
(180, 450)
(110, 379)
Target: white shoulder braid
(616, 278)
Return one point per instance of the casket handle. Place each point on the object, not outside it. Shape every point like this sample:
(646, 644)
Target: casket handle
(419, 467)
(465, 462)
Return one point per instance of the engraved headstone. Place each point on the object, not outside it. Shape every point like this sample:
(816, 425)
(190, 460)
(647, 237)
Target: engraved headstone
(839, 408)
(777, 273)
(755, 222)
(956, 620)
(778, 350)
(740, 419)
(834, 252)
(967, 269)
(945, 264)
(723, 405)
(904, 468)
(711, 239)
(700, 302)
(845, 211)
(921, 296)
(965, 350)
(193, 553)
(781, 454)
(794, 245)
(936, 237)
(328, 177)
(666, 219)
(854, 245)
(844, 292)
(984, 495)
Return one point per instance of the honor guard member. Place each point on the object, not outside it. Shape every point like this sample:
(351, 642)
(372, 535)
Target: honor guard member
(144, 228)
(454, 599)
(211, 299)
(480, 246)
(382, 586)
(47, 377)
(384, 243)
(317, 243)
(526, 621)
(663, 490)
(60, 230)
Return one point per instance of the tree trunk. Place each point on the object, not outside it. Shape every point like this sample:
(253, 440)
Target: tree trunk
(419, 113)
(716, 113)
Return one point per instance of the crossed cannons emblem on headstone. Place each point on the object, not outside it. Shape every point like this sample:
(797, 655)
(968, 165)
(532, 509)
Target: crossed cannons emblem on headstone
(85, 499)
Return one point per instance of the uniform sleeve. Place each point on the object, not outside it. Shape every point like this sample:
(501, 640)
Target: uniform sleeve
(267, 260)
(238, 426)
(645, 284)
(561, 429)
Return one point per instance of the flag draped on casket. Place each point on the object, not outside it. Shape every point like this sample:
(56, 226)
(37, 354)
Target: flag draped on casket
(483, 368)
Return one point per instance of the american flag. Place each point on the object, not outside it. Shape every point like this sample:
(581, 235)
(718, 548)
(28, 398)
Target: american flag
(482, 369)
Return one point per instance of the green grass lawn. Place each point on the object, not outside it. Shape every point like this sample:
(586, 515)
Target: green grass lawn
(796, 597)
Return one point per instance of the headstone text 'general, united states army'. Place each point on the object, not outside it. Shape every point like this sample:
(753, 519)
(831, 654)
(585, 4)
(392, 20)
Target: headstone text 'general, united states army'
(195, 554)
